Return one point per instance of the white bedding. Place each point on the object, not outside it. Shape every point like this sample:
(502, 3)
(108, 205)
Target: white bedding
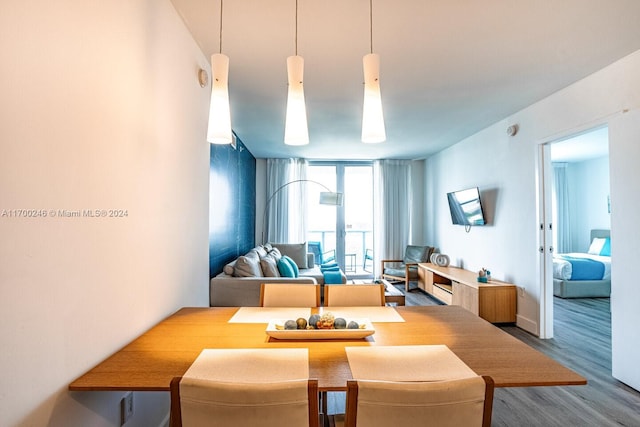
(563, 270)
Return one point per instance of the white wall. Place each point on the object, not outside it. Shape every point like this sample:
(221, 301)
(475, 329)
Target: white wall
(505, 170)
(588, 183)
(100, 109)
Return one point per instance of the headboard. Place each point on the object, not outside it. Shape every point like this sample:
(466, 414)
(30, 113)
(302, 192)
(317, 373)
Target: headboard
(600, 234)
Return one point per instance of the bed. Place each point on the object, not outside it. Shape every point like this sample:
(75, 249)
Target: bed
(584, 275)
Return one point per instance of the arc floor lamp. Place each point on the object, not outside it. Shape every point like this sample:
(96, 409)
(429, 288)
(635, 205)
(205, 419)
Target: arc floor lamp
(328, 197)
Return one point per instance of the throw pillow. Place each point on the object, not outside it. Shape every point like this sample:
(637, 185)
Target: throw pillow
(229, 268)
(275, 253)
(294, 266)
(262, 252)
(248, 265)
(296, 251)
(329, 265)
(285, 268)
(606, 247)
(596, 246)
(269, 267)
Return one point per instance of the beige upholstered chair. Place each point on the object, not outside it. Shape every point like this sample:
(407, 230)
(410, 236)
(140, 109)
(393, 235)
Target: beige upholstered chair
(407, 270)
(464, 402)
(201, 402)
(354, 295)
(289, 295)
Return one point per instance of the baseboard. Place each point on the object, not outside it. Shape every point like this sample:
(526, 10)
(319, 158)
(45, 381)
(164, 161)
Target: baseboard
(528, 325)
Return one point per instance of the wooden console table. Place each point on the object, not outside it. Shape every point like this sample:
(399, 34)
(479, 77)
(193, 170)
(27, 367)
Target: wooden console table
(494, 301)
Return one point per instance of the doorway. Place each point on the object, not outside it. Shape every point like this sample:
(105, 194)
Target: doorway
(575, 171)
(345, 232)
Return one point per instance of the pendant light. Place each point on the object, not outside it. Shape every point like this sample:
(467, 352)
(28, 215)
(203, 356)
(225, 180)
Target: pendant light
(295, 128)
(219, 129)
(372, 119)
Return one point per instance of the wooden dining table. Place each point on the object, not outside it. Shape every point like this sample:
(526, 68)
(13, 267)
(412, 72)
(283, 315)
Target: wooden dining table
(169, 348)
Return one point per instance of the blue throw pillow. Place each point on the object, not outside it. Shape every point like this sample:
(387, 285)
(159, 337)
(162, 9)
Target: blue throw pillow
(606, 248)
(285, 268)
(332, 277)
(296, 270)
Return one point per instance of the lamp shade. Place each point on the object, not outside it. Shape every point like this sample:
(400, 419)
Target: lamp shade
(372, 119)
(219, 130)
(331, 198)
(295, 130)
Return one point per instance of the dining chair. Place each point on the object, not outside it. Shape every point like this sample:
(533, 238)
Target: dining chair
(452, 403)
(289, 295)
(354, 295)
(199, 402)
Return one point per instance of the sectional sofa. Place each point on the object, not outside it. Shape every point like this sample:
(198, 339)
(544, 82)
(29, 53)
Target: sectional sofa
(239, 283)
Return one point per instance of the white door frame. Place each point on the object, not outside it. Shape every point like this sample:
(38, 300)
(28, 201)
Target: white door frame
(545, 239)
(544, 176)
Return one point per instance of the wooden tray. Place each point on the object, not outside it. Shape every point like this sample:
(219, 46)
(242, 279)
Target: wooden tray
(320, 334)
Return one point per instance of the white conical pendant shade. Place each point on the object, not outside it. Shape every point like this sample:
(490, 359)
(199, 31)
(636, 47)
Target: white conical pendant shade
(372, 118)
(219, 130)
(295, 129)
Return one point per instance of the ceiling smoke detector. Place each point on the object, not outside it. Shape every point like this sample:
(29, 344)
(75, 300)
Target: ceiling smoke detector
(512, 130)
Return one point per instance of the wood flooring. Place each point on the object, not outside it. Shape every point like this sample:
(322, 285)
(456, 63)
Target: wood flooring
(582, 342)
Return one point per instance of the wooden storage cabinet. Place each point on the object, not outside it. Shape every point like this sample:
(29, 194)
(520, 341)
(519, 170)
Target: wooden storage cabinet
(494, 301)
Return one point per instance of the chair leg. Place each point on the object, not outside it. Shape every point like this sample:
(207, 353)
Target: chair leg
(323, 401)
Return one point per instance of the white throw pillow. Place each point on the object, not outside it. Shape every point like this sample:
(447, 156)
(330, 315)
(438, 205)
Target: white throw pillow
(596, 246)
(248, 265)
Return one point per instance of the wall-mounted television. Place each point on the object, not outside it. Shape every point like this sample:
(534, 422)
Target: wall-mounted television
(466, 207)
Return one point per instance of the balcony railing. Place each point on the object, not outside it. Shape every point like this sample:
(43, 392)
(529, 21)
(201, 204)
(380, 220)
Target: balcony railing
(356, 243)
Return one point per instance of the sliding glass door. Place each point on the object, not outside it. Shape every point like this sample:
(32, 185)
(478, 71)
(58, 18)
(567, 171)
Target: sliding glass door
(322, 219)
(346, 231)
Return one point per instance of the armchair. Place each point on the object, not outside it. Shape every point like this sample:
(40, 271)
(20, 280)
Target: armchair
(407, 270)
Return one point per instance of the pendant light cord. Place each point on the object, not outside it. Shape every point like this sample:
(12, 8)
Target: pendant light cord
(371, 25)
(296, 27)
(221, 1)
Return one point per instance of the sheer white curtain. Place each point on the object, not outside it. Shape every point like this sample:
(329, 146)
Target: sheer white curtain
(561, 212)
(392, 209)
(298, 202)
(284, 218)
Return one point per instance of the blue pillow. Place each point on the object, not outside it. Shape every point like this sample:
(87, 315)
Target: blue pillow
(606, 248)
(332, 277)
(296, 270)
(285, 268)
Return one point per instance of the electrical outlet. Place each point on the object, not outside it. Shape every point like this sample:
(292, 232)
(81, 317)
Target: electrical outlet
(126, 408)
(521, 291)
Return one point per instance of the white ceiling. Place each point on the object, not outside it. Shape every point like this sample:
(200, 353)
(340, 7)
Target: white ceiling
(449, 68)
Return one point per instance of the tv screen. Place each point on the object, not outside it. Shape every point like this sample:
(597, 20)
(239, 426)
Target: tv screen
(465, 207)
